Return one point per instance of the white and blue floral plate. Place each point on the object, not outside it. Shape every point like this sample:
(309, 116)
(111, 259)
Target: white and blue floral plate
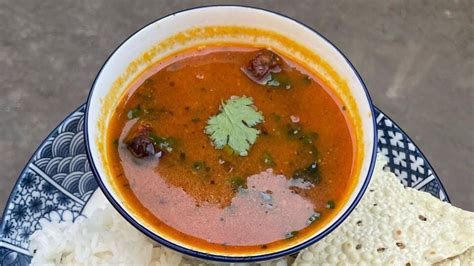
(57, 183)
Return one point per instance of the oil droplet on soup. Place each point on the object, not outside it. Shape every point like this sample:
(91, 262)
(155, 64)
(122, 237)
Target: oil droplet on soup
(169, 171)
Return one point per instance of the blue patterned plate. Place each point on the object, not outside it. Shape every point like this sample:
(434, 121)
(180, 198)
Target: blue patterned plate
(57, 183)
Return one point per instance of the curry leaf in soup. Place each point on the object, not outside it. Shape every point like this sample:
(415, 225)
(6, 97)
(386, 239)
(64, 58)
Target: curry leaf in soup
(238, 182)
(310, 173)
(200, 165)
(268, 159)
(309, 138)
(273, 83)
(315, 216)
(234, 124)
(291, 234)
(293, 130)
(279, 80)
(168, 144)
(134, 112)
(306, 79)
(331, 204)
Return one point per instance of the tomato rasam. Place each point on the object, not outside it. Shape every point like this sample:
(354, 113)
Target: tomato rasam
(287, 184)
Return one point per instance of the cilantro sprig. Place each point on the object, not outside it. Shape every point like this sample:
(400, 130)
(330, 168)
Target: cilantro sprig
(234, 124)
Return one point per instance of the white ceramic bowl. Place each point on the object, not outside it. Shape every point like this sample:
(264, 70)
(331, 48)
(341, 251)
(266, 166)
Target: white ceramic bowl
(128, 60)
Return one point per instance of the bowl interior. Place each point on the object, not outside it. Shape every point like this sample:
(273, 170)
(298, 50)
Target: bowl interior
(223, 24)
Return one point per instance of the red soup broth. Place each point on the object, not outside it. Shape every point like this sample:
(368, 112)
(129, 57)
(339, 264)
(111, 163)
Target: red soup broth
(215, 199)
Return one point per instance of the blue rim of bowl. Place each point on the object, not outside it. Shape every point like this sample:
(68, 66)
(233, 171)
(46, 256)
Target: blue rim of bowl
(223, 258)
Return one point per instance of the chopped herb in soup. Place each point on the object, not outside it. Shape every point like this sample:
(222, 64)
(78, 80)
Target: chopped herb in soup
(231, 149)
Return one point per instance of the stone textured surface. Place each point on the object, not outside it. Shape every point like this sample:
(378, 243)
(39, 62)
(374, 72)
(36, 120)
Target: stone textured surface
(416, 57)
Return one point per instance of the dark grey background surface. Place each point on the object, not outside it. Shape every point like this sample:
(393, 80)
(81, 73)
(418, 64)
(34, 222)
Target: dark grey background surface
(416, 57)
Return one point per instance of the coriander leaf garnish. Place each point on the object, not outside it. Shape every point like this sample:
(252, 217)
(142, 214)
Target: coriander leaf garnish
(234, 124)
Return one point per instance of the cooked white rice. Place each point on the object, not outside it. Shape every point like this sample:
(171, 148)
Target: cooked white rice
(105, 238)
